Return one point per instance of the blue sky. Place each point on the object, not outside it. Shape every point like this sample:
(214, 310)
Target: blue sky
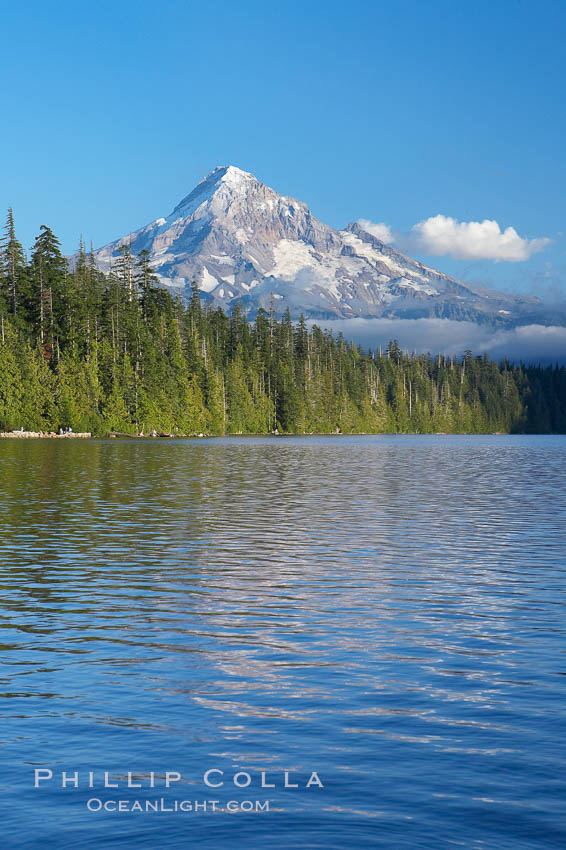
(394, 112)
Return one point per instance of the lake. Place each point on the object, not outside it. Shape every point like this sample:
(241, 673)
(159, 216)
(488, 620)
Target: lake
(381, 617)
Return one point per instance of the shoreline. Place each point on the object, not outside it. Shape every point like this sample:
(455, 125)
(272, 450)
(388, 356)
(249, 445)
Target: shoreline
(112, 435)
(44, 435)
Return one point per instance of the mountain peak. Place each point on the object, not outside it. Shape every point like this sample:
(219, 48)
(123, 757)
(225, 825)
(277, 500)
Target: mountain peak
(233, 175)
(229, 175)
(223, 176)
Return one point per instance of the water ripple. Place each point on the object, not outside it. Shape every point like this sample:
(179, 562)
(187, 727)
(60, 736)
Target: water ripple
(387, 611)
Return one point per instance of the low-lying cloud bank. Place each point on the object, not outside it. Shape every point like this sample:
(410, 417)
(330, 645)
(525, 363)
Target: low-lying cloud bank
(528, 343)
(440, 235)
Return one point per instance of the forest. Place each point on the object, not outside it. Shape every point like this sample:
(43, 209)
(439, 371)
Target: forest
(116, 352)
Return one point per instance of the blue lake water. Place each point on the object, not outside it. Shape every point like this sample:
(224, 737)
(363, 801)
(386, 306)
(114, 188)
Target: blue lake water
(386, 612)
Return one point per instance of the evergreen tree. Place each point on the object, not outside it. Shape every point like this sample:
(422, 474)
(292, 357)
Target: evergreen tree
(13, 273)
(50, 306)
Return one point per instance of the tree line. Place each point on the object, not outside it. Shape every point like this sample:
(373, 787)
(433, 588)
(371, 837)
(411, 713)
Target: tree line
(116, 352)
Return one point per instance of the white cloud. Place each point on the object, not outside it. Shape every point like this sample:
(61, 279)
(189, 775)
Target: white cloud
(474, 240)
(529, 343)
(464, 240)
(380, 230)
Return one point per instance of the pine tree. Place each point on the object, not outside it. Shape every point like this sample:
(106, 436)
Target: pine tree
(50, 302)
(14, 289)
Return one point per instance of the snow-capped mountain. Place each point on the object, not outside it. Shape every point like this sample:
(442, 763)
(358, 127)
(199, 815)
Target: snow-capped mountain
(242, 241)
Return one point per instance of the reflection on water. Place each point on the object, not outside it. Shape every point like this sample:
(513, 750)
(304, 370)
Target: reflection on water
(386, 611)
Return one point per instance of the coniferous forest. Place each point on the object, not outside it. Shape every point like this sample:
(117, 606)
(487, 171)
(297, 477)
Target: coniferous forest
(117, 353)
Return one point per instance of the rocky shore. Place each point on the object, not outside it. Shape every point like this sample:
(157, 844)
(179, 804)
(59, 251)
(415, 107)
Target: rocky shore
(23, 435)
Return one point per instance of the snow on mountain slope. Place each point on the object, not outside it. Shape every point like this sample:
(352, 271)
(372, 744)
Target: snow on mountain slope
(240, 240)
